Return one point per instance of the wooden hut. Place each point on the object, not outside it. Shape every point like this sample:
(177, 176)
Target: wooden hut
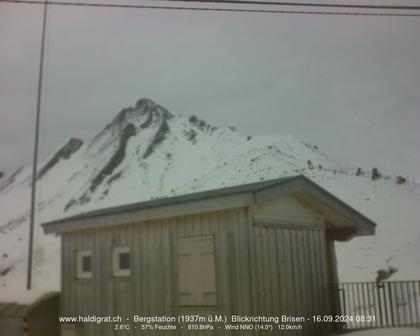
(257, 250)
(37, 319)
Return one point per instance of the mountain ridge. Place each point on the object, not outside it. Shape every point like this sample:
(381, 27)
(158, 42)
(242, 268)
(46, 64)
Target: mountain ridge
(146, 152)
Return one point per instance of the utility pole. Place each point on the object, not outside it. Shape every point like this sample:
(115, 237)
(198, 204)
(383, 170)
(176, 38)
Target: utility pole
(36, 145)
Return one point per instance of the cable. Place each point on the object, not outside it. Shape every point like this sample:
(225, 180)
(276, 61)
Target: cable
(299, 4)
(209, 9)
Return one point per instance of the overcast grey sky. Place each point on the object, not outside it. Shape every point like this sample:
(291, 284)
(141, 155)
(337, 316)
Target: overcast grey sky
(350, 85)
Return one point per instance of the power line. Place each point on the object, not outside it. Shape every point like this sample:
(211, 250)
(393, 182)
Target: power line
(299, 4)
(209, 9)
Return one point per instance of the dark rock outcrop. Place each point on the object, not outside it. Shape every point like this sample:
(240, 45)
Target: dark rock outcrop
(10, 179)
(116, 159)
(64, 152)
(159, 137)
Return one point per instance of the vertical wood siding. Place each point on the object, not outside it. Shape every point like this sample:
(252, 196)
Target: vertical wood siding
(291, 276)
(259, 270)
(152, 287)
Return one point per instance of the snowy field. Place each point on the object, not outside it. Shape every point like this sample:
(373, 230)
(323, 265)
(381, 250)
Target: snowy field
(147, 153)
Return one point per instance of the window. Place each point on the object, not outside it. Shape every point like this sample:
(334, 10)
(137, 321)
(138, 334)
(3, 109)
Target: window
(121, 261)
(196, 271)
(84, 264)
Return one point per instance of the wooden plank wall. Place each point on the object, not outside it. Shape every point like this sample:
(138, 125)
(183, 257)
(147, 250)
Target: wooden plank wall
(291, 276)
(259, 270)
(290, 262)
(152, 287)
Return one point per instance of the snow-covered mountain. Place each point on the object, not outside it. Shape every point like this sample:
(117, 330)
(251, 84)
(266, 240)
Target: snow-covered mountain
(146, 152)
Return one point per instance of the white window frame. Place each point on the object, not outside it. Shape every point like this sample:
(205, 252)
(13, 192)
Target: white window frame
(116, 270)
(80, 273)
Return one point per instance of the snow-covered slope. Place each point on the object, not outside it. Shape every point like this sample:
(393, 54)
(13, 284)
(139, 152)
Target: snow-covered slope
(146, 152)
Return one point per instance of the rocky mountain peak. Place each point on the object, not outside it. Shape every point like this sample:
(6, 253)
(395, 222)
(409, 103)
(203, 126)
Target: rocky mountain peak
(143, 114)
(143, 155)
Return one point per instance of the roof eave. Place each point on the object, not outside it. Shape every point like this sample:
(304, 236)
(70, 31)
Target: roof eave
(363, 224)
(141, 215)
(175, 207)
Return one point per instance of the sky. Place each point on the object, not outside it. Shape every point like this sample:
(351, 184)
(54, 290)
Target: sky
(348, 84)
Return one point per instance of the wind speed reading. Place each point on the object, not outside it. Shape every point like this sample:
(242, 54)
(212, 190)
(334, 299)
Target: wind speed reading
(234, 322)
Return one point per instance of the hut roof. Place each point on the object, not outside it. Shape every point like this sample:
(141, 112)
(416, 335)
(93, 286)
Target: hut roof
(13, 309)
(220, 199)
